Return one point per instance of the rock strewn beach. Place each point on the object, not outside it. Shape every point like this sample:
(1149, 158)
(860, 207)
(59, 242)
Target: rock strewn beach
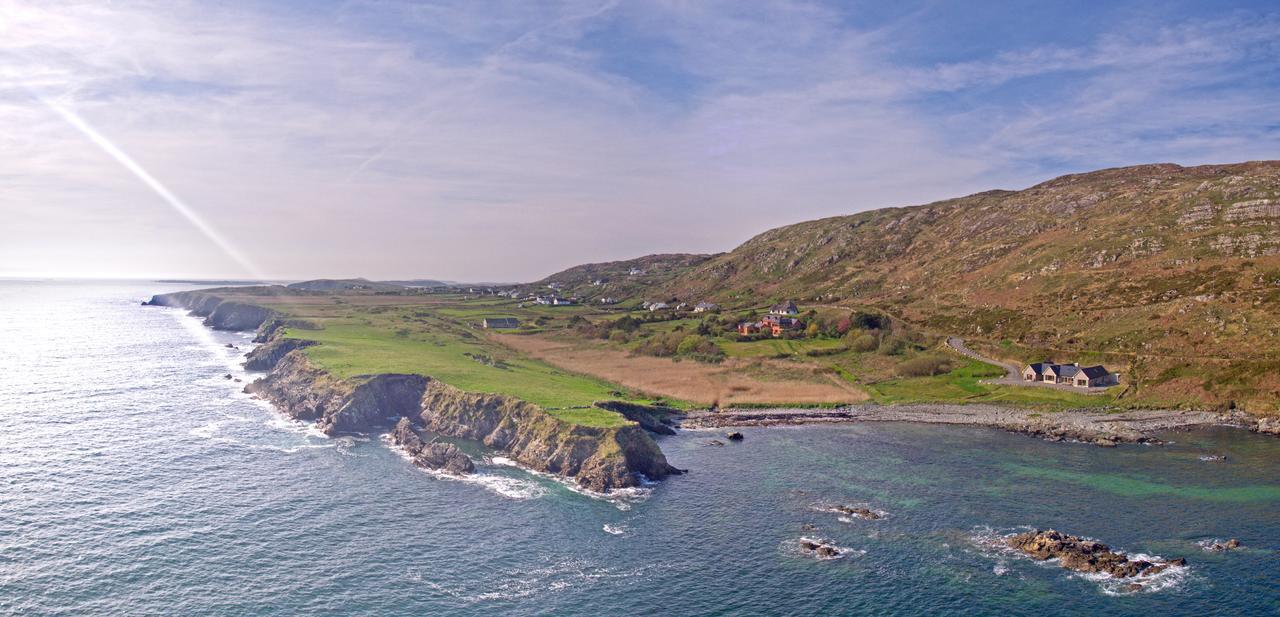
(1094, 426)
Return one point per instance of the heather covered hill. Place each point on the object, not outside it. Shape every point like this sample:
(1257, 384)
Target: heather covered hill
(1170, 272)
(622, 279)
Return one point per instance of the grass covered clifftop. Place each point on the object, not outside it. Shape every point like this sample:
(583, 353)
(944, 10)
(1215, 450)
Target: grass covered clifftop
(358, 333)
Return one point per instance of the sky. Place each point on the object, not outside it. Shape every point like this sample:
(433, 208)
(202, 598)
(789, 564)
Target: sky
(504, 141)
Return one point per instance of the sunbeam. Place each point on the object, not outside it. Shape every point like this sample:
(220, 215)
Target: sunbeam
(155, 185)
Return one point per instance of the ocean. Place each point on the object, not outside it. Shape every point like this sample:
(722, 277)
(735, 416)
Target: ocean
(136, 479)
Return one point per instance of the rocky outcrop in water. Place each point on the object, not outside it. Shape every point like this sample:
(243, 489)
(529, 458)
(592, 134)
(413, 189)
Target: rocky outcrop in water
(820, 549)
(1080, 555)
(1218, 547)
(430, 455)
(859, 512)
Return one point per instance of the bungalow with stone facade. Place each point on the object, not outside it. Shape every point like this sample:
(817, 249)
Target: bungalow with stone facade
(1070, 375)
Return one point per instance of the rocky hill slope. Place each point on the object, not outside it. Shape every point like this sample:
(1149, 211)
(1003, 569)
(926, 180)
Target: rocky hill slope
(1170, 273)
(620, 279)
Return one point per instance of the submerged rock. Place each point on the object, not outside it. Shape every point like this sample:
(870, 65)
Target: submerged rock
(1081, 555)
(433, 455)
(1229, 545)
(820, 549)
(860, 512)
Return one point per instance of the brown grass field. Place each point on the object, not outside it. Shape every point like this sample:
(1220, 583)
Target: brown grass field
(733, 382)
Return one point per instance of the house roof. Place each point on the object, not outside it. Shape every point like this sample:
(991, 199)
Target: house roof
(785, 306)
(1094, 372)
(1039, 367)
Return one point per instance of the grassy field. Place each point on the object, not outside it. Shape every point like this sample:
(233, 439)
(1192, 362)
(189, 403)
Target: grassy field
(551, 363)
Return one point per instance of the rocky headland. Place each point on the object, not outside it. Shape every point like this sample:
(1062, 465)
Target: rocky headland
(597, 458)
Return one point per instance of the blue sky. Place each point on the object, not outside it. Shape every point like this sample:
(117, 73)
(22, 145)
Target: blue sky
(506, 140)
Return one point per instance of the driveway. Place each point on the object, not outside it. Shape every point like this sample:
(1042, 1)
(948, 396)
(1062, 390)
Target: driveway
(1012, 373)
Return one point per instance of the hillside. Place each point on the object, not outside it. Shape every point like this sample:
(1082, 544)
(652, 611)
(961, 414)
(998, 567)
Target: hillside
(622, 279)
(1169, 273)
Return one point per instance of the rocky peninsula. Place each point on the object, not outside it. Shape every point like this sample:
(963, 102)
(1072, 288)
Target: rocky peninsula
(597, 458)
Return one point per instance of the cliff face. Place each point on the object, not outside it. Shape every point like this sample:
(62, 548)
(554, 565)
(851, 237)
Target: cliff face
(599, 459)
(337, 406)
(219, 314)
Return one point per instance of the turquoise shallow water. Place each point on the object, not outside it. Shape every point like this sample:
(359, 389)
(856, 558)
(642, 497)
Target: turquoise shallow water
(134, 479)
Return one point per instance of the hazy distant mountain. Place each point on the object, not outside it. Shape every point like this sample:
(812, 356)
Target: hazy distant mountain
(345, 285)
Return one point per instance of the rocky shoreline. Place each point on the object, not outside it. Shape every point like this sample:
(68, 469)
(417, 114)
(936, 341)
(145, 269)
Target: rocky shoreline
(1092, 426)
(598, 459)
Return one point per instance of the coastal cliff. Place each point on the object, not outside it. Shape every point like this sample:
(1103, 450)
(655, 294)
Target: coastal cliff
(597, 458)
(219, 314)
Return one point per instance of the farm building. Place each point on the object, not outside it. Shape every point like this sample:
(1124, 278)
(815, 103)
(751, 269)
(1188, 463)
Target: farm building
(501, 323)
(705, 307)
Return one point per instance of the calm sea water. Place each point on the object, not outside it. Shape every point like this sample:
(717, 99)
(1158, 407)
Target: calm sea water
(135, 479)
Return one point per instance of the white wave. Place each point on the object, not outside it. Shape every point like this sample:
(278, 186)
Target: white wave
(512, 488)
(621, 498)
(282, 422)
(616, 530)
(519, 583)
(1168, 578)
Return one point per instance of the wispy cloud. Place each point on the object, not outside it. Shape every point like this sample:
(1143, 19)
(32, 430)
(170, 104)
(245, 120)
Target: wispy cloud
(506, 140)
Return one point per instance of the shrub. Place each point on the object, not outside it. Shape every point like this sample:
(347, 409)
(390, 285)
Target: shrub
(924, 366)
(891, 345)
(619, 336)
(689, 344)
(864, 343)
